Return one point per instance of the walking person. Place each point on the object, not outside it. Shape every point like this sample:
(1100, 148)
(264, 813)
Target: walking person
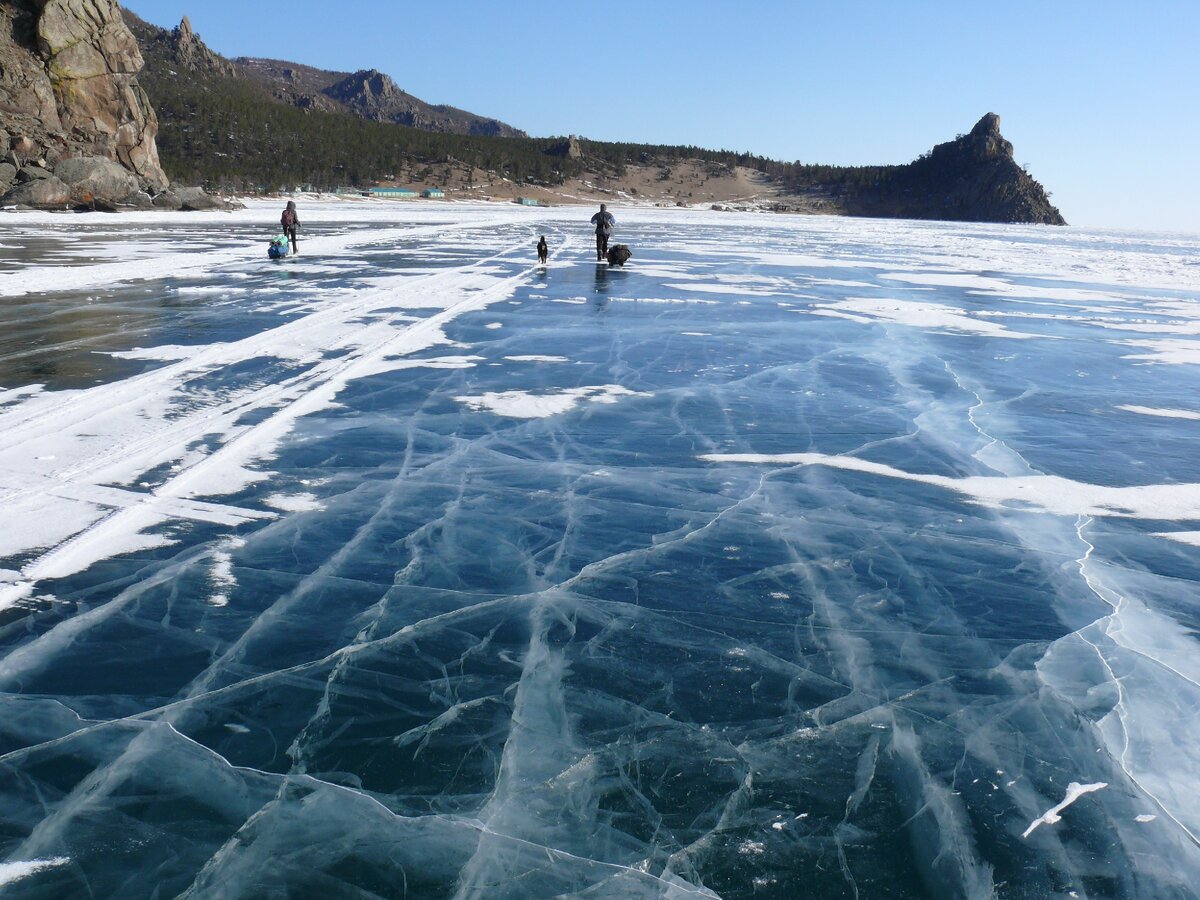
(290, 221)
(604, 223)
(543, 251)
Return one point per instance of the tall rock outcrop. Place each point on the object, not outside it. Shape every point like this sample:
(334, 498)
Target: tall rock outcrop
(194, 54)
(975, 178)
(972, 178)
(68, 87)
(179, 49)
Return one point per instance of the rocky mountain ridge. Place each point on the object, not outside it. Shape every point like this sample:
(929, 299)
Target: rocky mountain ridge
(373, 95)
(367, 93)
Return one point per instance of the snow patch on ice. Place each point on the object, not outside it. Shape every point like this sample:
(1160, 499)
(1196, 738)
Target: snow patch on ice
(1168, 351)
(669, 300)
(918, 315)
(1041, 493)
(528, 405)
(294, 502)
(1161, 413)
(167, 352)
(1183, 537)
(1075, 790)
(16, 871)
(737, 290)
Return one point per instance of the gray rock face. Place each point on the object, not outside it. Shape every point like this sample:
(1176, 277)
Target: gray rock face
(93, 60)
(569, 148)
(8, 174)
(68, 85)
(972, 178)
(138, 200)
(94, 179)
(374, 95)
(168, 200)
(26, 148)
(193, 199)
(192, 53)
(49, 192)
(31, 173)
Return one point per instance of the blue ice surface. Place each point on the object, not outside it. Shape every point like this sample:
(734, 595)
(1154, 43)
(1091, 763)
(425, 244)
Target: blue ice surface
(512, 657)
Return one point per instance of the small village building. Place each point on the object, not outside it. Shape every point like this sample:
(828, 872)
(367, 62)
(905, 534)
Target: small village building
(393, 193)
(433, 193)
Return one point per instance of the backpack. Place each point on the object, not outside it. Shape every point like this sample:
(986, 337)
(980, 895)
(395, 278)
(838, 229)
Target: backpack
(288, 218)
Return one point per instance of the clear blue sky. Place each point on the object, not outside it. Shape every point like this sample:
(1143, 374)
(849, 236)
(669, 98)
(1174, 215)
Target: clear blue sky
(1099, 98)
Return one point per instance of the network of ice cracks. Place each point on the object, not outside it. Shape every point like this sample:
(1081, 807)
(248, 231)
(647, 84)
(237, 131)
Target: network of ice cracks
(803, 557)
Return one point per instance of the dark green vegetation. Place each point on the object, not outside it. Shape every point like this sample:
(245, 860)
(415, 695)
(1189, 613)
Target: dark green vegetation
(227, 133)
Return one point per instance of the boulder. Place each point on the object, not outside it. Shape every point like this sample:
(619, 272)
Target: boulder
(8, 174)
(193, 199)
(138, 200)
(31, 173)
(26, 148)
(49, 192)
(168, 200)
(94, 179)
(4, 142)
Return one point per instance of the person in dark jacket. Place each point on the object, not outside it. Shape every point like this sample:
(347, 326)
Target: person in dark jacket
(604, 223)
(543, 251)
(290, 222)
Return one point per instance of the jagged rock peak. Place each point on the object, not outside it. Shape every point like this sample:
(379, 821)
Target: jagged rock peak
(986, 139)
(989, 124)
(366, 83)
(191, 52)
(975, 178)
(569, 148)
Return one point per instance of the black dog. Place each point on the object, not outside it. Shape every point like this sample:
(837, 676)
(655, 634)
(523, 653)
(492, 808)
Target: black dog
(618, 255)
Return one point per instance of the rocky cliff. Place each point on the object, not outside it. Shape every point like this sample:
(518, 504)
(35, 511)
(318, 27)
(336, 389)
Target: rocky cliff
(180, 47)
(972, 178)
(69, 88)
(368, 93)
(373, 95)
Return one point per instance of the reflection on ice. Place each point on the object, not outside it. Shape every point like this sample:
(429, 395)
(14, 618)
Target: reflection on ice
(769, 566)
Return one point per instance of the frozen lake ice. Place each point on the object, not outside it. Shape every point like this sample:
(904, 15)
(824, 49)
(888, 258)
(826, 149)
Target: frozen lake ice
(803, 557)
